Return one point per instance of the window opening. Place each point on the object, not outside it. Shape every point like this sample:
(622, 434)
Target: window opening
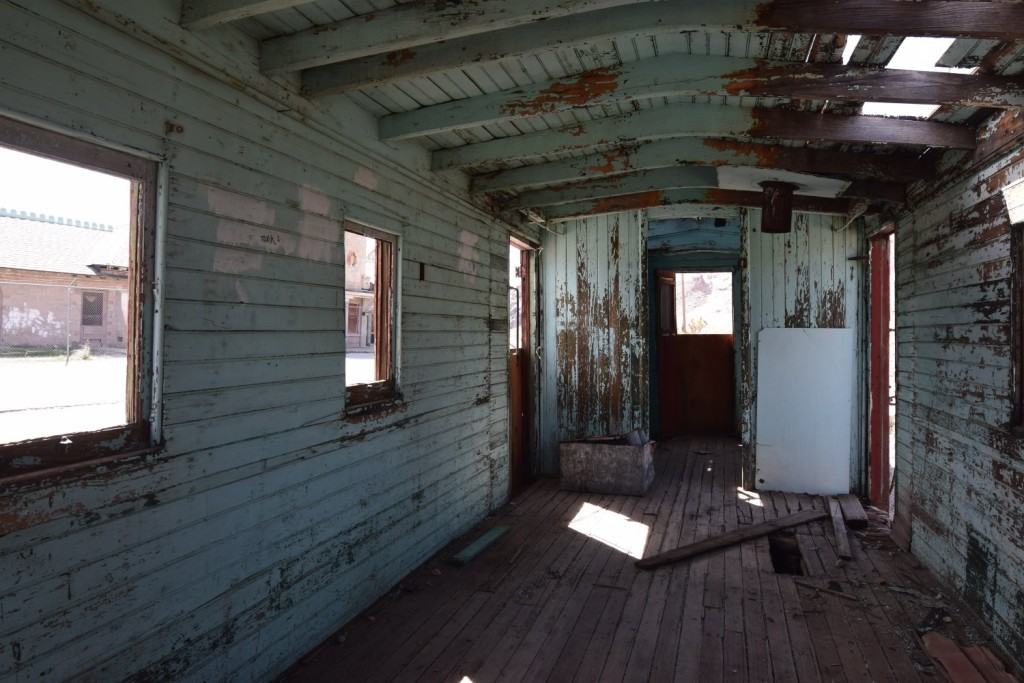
(703, 303)
(370, 304)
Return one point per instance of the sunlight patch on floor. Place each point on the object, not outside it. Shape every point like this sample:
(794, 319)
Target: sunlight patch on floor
(749, 497)
(612, 529)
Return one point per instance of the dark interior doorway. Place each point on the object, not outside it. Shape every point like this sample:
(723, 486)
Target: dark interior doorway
(882, 376)
(696, 354)
(519, 366)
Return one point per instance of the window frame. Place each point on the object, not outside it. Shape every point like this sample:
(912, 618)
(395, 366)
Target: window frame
(74, 449)
(102, 313)
(359, 397)
(1016, 423)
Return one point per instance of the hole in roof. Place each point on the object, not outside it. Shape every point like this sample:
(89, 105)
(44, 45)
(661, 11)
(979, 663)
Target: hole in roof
(914, 54)
(852, 41)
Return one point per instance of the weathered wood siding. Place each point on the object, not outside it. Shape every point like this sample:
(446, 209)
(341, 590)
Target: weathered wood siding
(959, 474)
(801, 279)
(268, 520)
(594, 330)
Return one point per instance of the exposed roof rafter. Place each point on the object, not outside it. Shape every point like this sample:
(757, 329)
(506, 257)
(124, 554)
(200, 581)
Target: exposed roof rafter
(714, 197)
(706, 120)
(952, 18)
(678, 177)
(409, 25)
(897, 167)
(680, 74)
(203, 14)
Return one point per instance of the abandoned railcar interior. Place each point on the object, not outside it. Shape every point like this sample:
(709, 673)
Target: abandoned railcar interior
(493, 340)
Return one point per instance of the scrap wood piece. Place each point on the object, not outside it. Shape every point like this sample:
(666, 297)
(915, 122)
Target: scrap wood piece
(956, 664)
(829, 591)
(730, 538)
(988, 664)
(839, 528)
(479, 545)
(853, 511)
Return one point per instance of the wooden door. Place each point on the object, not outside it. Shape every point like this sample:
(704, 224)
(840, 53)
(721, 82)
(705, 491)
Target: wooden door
(882, 400)
(696, 372)
(519, 405)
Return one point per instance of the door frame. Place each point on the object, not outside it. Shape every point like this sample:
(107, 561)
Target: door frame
(527, 312)
(881, 258)
(682, 262)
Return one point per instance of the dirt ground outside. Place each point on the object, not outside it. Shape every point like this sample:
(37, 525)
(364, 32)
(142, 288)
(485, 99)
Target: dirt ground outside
(44, 396)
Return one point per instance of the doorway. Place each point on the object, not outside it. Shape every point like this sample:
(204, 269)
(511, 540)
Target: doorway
(520, 416)
(696, 354)
(882, 375)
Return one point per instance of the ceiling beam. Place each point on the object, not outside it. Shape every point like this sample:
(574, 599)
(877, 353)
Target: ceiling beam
(715, 197)
(680, 74)
(204, 14)
(671, 212)
(410, 25)
(950, 18)
(680, 177)
(896, 167)
(705, 120)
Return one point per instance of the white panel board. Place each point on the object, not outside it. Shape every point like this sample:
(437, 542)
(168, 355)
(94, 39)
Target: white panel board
(805, 409)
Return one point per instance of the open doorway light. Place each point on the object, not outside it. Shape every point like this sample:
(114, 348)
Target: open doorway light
(914, 54)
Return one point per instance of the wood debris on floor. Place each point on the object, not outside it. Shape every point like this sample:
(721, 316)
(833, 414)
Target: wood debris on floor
(556, 600)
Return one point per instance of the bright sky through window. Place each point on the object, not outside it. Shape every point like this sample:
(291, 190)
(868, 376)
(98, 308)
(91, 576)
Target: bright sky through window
(914, 54)
(35, 184)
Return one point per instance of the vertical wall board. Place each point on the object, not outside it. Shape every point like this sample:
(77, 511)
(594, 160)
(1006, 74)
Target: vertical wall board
(959, 472)
(802, 279)
(595, 323)
(268, 520)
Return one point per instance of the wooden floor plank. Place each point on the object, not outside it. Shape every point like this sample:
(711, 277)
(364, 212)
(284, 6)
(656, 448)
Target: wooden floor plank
(621, 574)
(663, 665)
(652, 620)
(546, 602)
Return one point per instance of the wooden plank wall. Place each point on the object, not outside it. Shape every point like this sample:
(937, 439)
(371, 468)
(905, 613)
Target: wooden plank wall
(594, 344)
(801, 279)
(959, 474)
(267, 521)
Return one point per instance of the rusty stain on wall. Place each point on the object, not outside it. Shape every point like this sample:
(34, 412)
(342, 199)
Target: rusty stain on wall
(599, 357)
(799, 279)
(959, 475)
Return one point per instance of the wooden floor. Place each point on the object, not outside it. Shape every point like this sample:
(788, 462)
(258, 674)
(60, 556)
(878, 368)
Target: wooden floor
(549, 603)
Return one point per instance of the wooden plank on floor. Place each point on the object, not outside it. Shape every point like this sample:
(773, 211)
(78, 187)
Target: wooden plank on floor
(627, 632)
(848, 645)
(988, 665)
(656, 619)
(956, 664)
(493, 621)
(810, 645)
(466, 555)
(731, 538)
(620, 574)
(666, 649)
(691, 631)
(882, 610)
(839, 529)
(439, 588)
(853, 511)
